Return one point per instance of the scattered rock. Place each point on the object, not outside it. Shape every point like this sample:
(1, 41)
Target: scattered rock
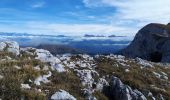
(1, 77)
(42, 79)
(59, 67)
(2, 46)
(161, 97)
(17, 67)
(46, 56)
(10, 46)
(62, 95)
(161, 75)
(88, 94)
(25, 86)
(37, 68)
(86, 76)
(101, 84)
(151, 95)
(45, 68)
(127, 70)
(144, 63)
(157, 74)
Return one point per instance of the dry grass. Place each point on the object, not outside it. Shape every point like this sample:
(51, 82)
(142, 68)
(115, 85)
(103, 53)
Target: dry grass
(67, 81)
(100, 96)
(10, 84)
(137, 78)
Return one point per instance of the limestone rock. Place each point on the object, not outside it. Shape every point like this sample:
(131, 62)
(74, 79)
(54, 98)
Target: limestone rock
(10, 46)
(62, 95)
(151, 43)
(120, 91)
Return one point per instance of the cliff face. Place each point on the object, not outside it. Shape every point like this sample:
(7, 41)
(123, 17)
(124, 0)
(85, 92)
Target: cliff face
(152, 43)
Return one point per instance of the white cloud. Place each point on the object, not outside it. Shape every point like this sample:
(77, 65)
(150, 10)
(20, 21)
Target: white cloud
(129, 17)
(67, 29)
(140, 11)
(38, 5)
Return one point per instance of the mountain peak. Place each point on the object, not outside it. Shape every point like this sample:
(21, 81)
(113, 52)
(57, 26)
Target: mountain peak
(151, 43)
(168, 23)
(156, 29)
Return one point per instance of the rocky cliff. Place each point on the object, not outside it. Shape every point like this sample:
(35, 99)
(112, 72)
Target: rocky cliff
(152, 43)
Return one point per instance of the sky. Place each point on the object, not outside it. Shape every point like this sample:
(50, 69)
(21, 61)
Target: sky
(78, 17)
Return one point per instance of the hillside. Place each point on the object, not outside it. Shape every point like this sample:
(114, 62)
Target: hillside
(29, 73)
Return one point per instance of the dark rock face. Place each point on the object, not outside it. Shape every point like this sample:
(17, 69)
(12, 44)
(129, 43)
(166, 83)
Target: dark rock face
(152, 43)
(119, 91)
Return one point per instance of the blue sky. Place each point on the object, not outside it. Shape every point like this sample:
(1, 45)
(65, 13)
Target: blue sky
(77, 17)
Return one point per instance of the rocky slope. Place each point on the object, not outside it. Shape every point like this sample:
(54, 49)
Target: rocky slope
(30, 73)
(151, 43)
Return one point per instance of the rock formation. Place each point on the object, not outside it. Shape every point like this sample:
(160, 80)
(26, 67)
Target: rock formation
(10, 46)
(120, 91)
(62, 95)
(152, 43)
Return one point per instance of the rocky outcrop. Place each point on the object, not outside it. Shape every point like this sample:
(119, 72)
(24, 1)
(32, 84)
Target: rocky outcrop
(10, 46)
(2, 46)
(91, 76)
(119, 91)
(45, 56)
(151, 43)
(62, 95)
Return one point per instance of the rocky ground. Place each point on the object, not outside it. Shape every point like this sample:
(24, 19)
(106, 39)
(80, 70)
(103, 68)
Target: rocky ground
(29, 73)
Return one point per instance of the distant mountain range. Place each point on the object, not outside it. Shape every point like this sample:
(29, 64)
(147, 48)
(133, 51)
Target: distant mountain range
(59, 49)
(90, 44)
(88, 35)
(27, 34)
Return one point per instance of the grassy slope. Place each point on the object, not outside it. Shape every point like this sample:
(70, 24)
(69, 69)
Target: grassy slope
(10, 84)
(137, 78)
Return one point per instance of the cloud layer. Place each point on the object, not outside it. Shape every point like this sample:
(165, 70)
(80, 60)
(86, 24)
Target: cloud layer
(67, 29)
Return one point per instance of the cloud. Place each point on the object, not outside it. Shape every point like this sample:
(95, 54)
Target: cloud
(38, 5)
(139, 12)
(67, 29)
(126, 17)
